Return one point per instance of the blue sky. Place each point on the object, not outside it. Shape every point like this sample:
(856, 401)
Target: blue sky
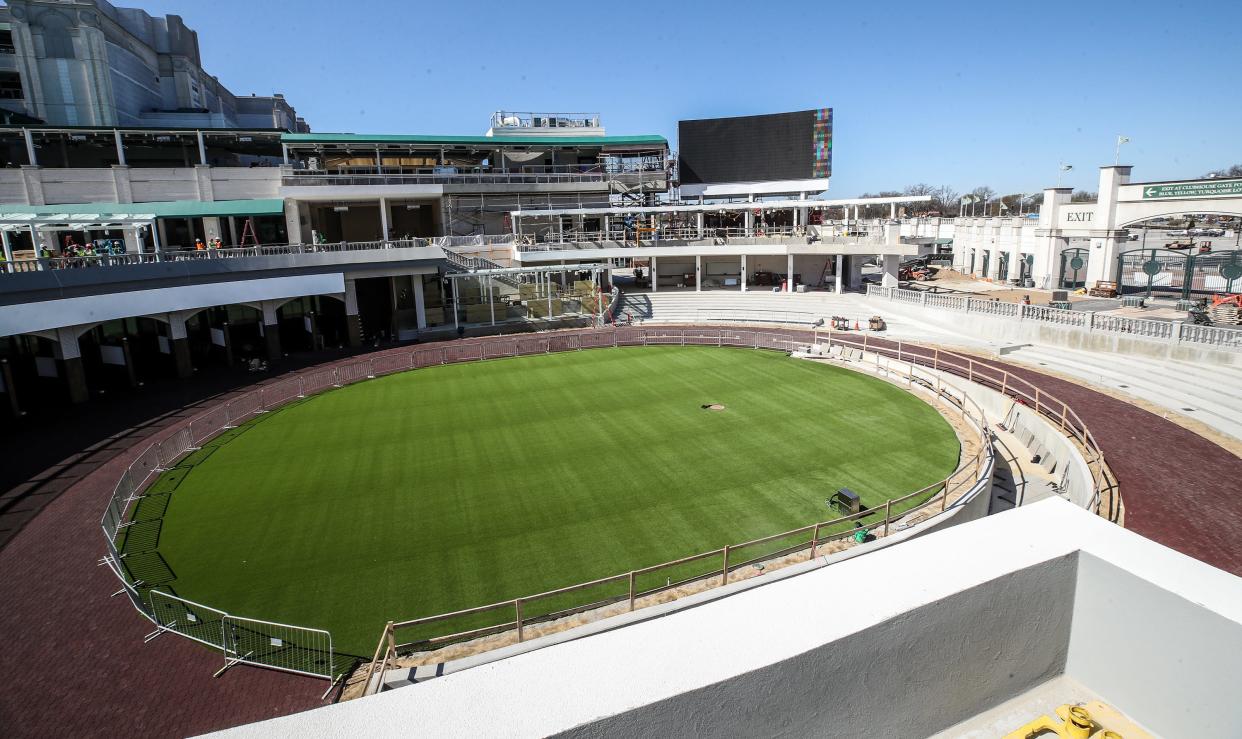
(973, 94)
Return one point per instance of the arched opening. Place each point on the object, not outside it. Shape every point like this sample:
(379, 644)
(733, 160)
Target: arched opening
(311, 323)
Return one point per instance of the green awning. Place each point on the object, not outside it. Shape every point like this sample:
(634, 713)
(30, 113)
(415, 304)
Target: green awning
(478, 141)
(167, 209)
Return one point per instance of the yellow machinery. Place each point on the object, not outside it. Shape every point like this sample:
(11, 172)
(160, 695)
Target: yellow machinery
(1075, 723)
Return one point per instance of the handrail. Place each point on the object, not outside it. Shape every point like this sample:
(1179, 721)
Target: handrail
(161, 455)
(1215, 337)
(943, 488)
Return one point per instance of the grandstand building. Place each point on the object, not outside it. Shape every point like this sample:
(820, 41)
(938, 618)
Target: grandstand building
(90, 63)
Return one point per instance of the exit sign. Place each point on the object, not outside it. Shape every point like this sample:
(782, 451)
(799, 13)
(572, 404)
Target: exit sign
(1201, 189)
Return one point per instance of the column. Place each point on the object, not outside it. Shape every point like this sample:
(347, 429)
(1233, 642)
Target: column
(120, 148)
(698, 219)
(202, 148)
(420, 312)
(233, 231)
(8, 248)
(455, 324)
(353, 324)
(180, 345)
(70, 355)
(160, 235)
(284, 153)
(30, 147)
(750, 222)
(744, 278)
(293, 221)
(211, 228)
(838, 266)
(383, 208)
(789, 274)
(133, 245)
(271, 329)
(892, 211)
(891, 264)
(654, 272)
(698, 273)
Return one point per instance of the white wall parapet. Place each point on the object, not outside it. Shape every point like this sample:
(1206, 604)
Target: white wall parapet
(1207, 337)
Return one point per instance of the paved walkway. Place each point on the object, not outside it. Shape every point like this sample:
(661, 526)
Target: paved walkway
(77, 666)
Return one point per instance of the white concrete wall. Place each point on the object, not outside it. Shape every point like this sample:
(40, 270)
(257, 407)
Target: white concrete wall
(904, 641)
(136, 184)
(1175, 664)
(50, 314)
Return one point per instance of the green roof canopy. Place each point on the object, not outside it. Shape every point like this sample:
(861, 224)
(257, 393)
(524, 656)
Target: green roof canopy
(168, 209)
(364, 138)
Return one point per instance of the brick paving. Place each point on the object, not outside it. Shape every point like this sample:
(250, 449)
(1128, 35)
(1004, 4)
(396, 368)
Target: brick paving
(76, 664)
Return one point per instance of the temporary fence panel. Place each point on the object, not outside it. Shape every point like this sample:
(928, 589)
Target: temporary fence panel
(347, 374)
(192, 620)
(385, 364)
(205, 426)
(241, 409)
(285, 647)
(280, 393)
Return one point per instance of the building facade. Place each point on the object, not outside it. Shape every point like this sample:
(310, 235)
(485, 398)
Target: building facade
(89, 63)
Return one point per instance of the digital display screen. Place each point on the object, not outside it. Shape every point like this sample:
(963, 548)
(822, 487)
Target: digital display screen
(756, 148)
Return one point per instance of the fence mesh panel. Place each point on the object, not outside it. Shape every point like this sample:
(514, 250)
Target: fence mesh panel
(389, 363)
(284, 647)
(206, 425)
(348, 374)
(426, 358)
(277, 395)
(192, 620)
(241, 409)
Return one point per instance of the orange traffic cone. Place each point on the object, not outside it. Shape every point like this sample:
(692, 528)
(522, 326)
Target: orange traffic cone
(856, 326)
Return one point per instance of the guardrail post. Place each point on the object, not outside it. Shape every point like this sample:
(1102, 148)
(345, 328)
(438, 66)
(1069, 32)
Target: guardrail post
(944, 498)
(936, 359)
(888, 507)
(301, 388)
(724, 571)
(631, 590)
(1037, 401)
(517, 607)
(970, 370)
(1064, 410)
(814, 540)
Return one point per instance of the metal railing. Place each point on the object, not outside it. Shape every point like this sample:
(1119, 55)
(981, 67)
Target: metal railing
(185, 255)
(1215, 337)
(624, 592)
(307, 654)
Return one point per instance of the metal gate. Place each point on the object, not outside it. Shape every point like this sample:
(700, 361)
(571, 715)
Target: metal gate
(1216, 273)
(987, 257)
(1073, 269)
(1002, 266)
(1153, 272)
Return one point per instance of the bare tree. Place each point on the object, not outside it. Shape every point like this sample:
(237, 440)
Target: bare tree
(1082, 196)
(983, 195)
(1234, 171)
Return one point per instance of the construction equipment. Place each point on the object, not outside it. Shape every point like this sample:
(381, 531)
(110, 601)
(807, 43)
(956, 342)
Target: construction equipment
(1226, 309)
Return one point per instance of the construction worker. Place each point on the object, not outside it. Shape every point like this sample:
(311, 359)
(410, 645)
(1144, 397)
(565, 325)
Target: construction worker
(198, 245)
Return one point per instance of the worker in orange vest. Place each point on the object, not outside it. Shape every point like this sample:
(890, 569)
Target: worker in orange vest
(198, 245)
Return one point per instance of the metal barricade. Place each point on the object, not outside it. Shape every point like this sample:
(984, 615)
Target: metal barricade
(347, 374)
(297, 649)
(206, 425)
(241, 409)
(388, 363)
(277, 395)
(196, 621)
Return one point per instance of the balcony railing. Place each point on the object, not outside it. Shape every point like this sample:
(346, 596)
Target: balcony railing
(733, 236)
(536, 174)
